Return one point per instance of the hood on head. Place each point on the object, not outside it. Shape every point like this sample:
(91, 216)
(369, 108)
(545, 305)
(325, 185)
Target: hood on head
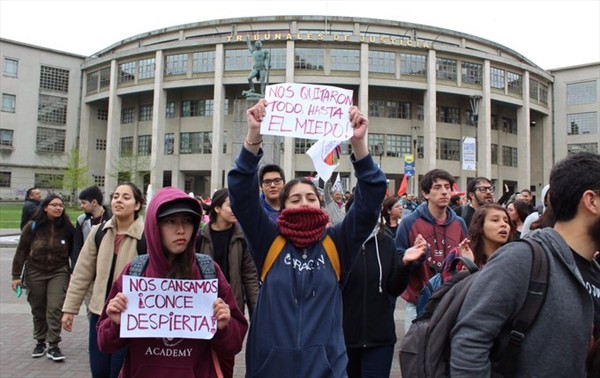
(166, 201)
(544, 193)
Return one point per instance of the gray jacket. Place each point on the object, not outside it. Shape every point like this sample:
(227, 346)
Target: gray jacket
(557, 343)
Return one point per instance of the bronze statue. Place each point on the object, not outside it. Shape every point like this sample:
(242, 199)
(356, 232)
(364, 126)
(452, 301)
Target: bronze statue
(260, 68)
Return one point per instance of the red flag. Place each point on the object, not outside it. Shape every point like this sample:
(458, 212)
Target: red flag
(403, 186)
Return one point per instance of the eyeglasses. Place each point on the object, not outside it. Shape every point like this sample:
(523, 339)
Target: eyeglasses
(269, 182)
(483, 189)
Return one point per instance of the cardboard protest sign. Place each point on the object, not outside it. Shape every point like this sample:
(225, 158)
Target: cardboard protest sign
(307, 111)
(162, 307)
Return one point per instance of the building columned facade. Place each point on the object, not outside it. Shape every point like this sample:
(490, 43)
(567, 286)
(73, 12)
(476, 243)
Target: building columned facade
(167, 108)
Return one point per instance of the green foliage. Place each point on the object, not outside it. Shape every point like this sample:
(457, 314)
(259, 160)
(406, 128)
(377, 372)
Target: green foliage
(76, 174)
(10, 215)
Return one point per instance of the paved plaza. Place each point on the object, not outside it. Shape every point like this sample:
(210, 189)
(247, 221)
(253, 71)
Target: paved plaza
(16, 328)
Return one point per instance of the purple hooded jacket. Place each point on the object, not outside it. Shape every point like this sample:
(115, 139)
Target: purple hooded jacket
(162, 357)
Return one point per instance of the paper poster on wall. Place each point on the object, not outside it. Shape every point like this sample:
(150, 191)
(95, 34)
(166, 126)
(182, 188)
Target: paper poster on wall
(162, 307)
(469, 154)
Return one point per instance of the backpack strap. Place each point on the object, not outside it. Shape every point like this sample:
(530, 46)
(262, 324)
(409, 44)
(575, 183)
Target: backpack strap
(536, 293)
(206, 266)
(272, 254)
(138, 265)
(279, 243)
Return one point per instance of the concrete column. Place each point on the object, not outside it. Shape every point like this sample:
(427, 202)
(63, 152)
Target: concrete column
(430, 116)
(159, 108)
(216, 163)
(113, 132)
(484, 130)
(288, 142)
(524, 137)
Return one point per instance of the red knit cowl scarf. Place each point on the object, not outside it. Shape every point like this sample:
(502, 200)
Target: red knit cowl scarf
(303, 226)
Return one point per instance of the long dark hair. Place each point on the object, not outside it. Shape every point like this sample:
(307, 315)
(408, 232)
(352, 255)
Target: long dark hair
(521, 209)
(41, 217)
(476, 230)
(388, 203)
(137, 195)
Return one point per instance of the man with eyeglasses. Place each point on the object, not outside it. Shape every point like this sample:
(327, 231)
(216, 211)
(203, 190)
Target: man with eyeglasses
(272, 180)
(479, 191)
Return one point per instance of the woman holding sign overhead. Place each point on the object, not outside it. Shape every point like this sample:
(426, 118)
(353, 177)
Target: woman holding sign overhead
(296, 327)
(172, 223)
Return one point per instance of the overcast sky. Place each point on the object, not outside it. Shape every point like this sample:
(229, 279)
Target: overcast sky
(550, 33)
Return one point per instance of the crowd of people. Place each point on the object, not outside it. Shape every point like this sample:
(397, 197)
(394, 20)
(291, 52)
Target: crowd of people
(319, 270)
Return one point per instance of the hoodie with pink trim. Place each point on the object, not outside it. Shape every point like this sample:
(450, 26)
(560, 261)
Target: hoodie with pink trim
(163, 357)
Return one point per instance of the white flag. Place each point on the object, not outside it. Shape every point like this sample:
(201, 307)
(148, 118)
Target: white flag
(337, 185)
(325, 155)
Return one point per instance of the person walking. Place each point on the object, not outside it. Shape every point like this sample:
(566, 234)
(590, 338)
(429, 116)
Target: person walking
(43, 249)
(30, 205)
(304, 335)
(567, 325)
(101, 266)
(172, 223)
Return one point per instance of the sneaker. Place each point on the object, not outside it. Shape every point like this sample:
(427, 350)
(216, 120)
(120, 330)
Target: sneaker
(55, 354)
(39, 350)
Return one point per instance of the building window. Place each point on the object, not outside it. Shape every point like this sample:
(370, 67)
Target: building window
(449, 114)
(515, 83)
(376, 143)
(413, 65)
(50, 140)
(5, 179)
(196, 143)
(52, 110)
(48, 180)
(54, 79)
(420, 147)
(494, 153)
(582, 123)
(197, 108)
(102, 115)
(9, 102)
(204, 61)
(509, 156)
(345, 60)
(144, 145)
(494, 120)
(6, 138)
(101, 144)
(235, 60)
(309, 59)
(582, 93)
(11, 67)
(170, 112)
(509, 126)
(127, 72)
(224, 142)
(382, 62)
(146, 112)
(169, 144)
(398, 145)
(448, 149)
(277, 58)
(533, 89)
(126, 149)
(98, 180)
(576, 148)
(105, 78)
(497, 78)
(446, 69)
(470, 118)
(471, 73)
(543, 93)
(127, 115)
(420, 112)
(146, 68)
(92, 81)
(176, 64)
(389, 109)
(302, 145)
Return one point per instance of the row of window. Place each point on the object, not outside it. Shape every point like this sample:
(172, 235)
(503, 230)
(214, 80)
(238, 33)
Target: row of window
(314, 59)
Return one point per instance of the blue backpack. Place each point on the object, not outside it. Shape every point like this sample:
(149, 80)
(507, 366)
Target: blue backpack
(205, 264)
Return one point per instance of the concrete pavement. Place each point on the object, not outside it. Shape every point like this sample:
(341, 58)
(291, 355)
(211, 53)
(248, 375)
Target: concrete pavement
(16, 330)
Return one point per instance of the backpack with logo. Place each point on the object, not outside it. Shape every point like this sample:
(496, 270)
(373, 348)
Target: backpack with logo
(449, 269)
(425, 348)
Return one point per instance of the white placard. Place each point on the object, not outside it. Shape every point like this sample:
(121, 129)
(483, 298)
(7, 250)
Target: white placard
(308, 111)
(162, 307)
(469, 152)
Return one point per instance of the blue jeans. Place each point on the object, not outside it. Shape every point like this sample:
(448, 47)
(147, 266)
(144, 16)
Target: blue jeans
(103, 365)
(373, 362)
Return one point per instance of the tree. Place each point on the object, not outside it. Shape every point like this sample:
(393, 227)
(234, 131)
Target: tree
(76, 173)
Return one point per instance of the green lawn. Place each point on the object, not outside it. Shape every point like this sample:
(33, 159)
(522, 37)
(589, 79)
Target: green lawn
(10, 214)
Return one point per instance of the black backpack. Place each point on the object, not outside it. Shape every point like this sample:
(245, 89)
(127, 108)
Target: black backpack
(425, 349)
(141, 243)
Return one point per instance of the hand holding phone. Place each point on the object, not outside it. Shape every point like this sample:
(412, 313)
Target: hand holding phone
(19, 291)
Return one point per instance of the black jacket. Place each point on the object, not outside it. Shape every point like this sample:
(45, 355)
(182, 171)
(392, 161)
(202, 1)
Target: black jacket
(369, 290)
(29, 208)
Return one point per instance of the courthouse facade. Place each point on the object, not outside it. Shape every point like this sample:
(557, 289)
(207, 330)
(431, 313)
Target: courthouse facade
(167, 107)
